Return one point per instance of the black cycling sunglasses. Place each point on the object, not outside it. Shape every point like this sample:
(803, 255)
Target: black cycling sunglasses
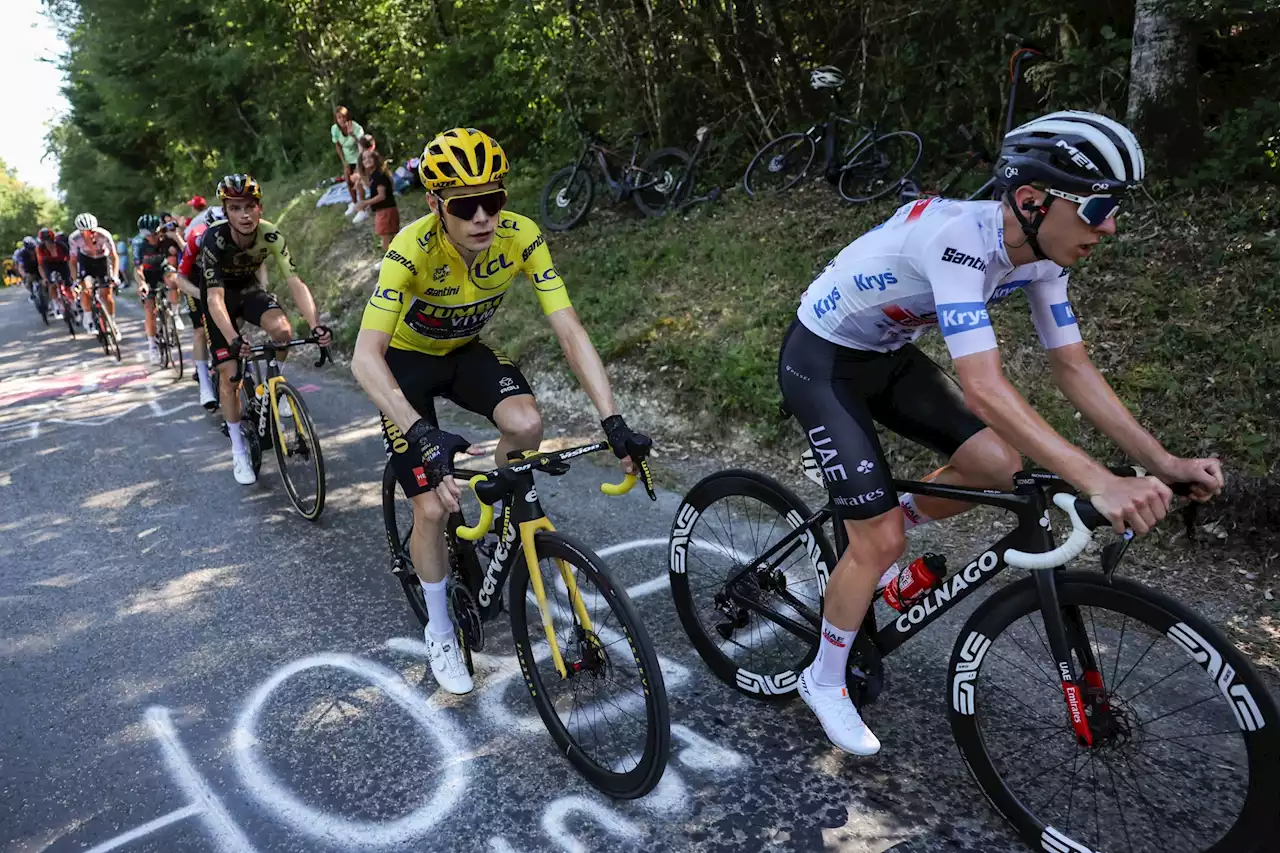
(465, 206)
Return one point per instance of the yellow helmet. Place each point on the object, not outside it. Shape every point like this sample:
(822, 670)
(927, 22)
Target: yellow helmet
(462, 157)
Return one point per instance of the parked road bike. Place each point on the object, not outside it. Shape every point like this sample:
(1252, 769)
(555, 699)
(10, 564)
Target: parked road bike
(168, 341)
(679, 181)
(869, 168)
(1094, 713)
(274, 414)
(594, 669)
(568, 194)
(104, 325)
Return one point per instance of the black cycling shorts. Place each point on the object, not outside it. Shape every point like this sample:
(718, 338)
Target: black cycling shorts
(195, 310)
(837, 394)
(99, 268)
(474, 376)
(246, 305)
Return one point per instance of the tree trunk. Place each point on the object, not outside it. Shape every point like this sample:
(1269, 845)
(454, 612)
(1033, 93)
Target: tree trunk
(1164, 109)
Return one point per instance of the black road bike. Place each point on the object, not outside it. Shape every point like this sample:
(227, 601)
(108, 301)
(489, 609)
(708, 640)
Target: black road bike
(104, 324)
(568, 194)
(274, 414)
(593, 668)
(167, 340)
(65, 299)
(40, 298)
(873, 166)
(1093, 712)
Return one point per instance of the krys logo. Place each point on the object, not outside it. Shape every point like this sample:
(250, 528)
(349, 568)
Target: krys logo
(958, 317)
(962, 580)
(875, 282)
(826, 304)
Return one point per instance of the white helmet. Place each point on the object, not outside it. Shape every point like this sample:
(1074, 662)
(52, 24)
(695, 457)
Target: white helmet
(826, 77)
(86, 222)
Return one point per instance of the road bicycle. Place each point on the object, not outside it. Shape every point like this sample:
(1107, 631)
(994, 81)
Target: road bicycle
(68, 302)
(568, 194)
(168, 343)
(274, 414)
(873, 166)
(39, 298)
(1050, 688)
(104, 324)
(679, 194)
(597, 667)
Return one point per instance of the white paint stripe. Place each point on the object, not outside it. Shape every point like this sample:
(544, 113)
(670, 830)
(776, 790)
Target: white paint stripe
(634, 544)
(670, 798)
(343, 832)
(32, 432)
(501, 845)
(146, 829)
(610, 820)
(215, 817)
(702, 754)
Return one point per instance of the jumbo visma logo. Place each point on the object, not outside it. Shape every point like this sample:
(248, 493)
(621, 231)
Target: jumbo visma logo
(450, 321)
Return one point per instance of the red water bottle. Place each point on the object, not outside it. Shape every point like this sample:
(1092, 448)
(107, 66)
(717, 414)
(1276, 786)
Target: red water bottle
(915, 581)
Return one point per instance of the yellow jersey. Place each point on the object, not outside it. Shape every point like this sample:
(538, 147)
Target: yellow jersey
(429, 301)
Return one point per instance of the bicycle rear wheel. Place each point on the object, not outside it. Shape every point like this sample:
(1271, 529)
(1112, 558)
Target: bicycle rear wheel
(659, 176)
(613, 681)
(298, 452)
(175, 343)
(725, 522)
(1185, 752)
(100, 323)
(880, 166)
(566, 198)
(780, 165)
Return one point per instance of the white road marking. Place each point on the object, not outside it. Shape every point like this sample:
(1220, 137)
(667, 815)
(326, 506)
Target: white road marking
(612, 821)
(146, 829)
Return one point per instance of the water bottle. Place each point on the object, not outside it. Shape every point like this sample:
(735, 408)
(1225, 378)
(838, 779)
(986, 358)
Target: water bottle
(915, 581)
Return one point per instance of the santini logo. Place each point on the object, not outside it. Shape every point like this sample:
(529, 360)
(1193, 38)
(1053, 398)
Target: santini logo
(952, 256)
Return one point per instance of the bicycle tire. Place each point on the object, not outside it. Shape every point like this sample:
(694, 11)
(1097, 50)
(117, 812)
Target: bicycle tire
(175, 346)
(794, 148)
(42, 304)
(1253, 711)
(885, 183)
(100, 324)
(113, 334)
(303, 443)
(584, 184)
(668, 166)
(638, 651)
(780, 680)
(398, 533)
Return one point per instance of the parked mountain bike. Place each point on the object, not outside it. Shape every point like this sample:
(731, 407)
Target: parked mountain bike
(871, 167)
(1079, 700)
(274, 414)
(679, 194)
(594, 668)
(104, 324)
(568, 194)
(168, 341)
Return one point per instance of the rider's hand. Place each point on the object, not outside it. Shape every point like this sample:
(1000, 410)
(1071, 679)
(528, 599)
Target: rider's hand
(1136, 502)
(322, 333)
(1204, 475)
(436, 448)
(627, 445)
(143, 290)
(234, 347)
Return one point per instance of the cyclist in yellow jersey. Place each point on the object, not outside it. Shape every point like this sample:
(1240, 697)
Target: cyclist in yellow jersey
(442, 278)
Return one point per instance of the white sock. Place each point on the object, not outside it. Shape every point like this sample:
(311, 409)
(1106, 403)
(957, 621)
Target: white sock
(237, 437)
(911, 515)
(833, 655)
(151, 342)
(202, 371)
(437, 599)
(888, 576)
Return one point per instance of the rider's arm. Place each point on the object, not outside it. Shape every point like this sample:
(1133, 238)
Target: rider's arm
(302, 298)
(1088, 390)
(216, 305)
(369, 366)
(73, 262)
(583, 360)
(297, 287)
(177, 279)
(115, 257)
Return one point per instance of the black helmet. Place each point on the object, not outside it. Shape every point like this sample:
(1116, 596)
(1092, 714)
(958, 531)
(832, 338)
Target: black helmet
(148, 223)
(1077, 152)
(45, 234)
(239, 186)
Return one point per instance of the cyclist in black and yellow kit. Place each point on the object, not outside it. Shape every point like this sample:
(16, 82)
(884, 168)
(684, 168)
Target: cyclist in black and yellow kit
(441, 280)
(230, 255)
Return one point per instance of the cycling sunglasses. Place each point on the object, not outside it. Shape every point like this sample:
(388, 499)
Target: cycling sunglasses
(465, 206)
(1093, 209)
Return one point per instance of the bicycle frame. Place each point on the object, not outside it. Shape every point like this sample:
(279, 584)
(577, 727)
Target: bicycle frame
(594, 146)
(267, 352)
(682, 196)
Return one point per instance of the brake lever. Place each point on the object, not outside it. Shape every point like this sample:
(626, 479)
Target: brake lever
(1112, 553)
(646, 477)
(324, 356)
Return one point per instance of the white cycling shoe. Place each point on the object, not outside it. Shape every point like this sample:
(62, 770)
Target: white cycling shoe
(242, 467)
(447, 664)
(208, 399)
(839, 719)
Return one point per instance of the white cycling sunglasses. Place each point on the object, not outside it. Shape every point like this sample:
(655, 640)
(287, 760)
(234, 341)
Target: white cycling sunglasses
(1093, 209)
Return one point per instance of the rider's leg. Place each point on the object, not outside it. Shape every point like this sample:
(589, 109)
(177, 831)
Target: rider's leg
(521, 425)
(149, 317)
(985, 461)
(109, 301)
(86, 295)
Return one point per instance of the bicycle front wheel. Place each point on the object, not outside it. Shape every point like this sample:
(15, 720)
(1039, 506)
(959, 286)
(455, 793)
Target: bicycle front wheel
(880, 166)
(566, 198)
(298, 451)
(609, 713)
(659, 177)
(1185, 738)
(780, 165)
(113, 333)
(175, 344)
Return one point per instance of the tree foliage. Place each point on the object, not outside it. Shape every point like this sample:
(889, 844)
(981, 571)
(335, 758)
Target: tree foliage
(23, 209)
(166, 96)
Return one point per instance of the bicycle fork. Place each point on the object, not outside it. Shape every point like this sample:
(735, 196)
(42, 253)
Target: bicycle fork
(528, 530)
(1064, 629)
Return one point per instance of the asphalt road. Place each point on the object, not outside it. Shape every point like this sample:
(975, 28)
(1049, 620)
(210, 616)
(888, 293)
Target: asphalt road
(188, 665)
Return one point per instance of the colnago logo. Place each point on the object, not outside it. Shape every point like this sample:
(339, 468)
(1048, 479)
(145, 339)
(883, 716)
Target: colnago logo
(532, 247)
(500, 554)
(442, 291)
(874, 282)
(1077, 156)
(953, 586)
(957, 317)
(858, 500)
(827, 303)
(953, 256)
(487, 269)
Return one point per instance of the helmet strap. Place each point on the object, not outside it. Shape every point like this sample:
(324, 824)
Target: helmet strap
(1031, 225)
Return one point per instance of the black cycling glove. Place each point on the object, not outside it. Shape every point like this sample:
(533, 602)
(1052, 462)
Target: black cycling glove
(437, 448)
(234, 346)
(623, 441)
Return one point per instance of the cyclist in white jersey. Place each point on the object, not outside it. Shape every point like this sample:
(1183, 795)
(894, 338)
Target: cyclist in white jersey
(848, 361)
(94, 265)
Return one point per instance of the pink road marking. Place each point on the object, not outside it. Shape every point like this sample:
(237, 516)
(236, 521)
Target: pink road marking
(308, 389)
(58, 386)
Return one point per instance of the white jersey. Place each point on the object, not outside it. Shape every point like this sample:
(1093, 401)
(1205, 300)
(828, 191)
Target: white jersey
(935, 262)
(206, 215)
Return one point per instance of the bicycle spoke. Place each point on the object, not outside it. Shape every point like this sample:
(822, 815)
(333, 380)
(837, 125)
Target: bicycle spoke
(1124, 823)
(1145, 723)
(1115, 688)
(1053, 734)
(1054, 686)
(1154, 683)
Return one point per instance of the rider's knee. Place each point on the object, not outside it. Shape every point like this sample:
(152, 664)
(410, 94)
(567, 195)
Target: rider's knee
(522, 423)
(878, 541)
(428, 514)
(987, 461)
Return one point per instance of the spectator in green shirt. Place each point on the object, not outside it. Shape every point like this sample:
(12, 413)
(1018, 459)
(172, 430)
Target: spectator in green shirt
(346, 134)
